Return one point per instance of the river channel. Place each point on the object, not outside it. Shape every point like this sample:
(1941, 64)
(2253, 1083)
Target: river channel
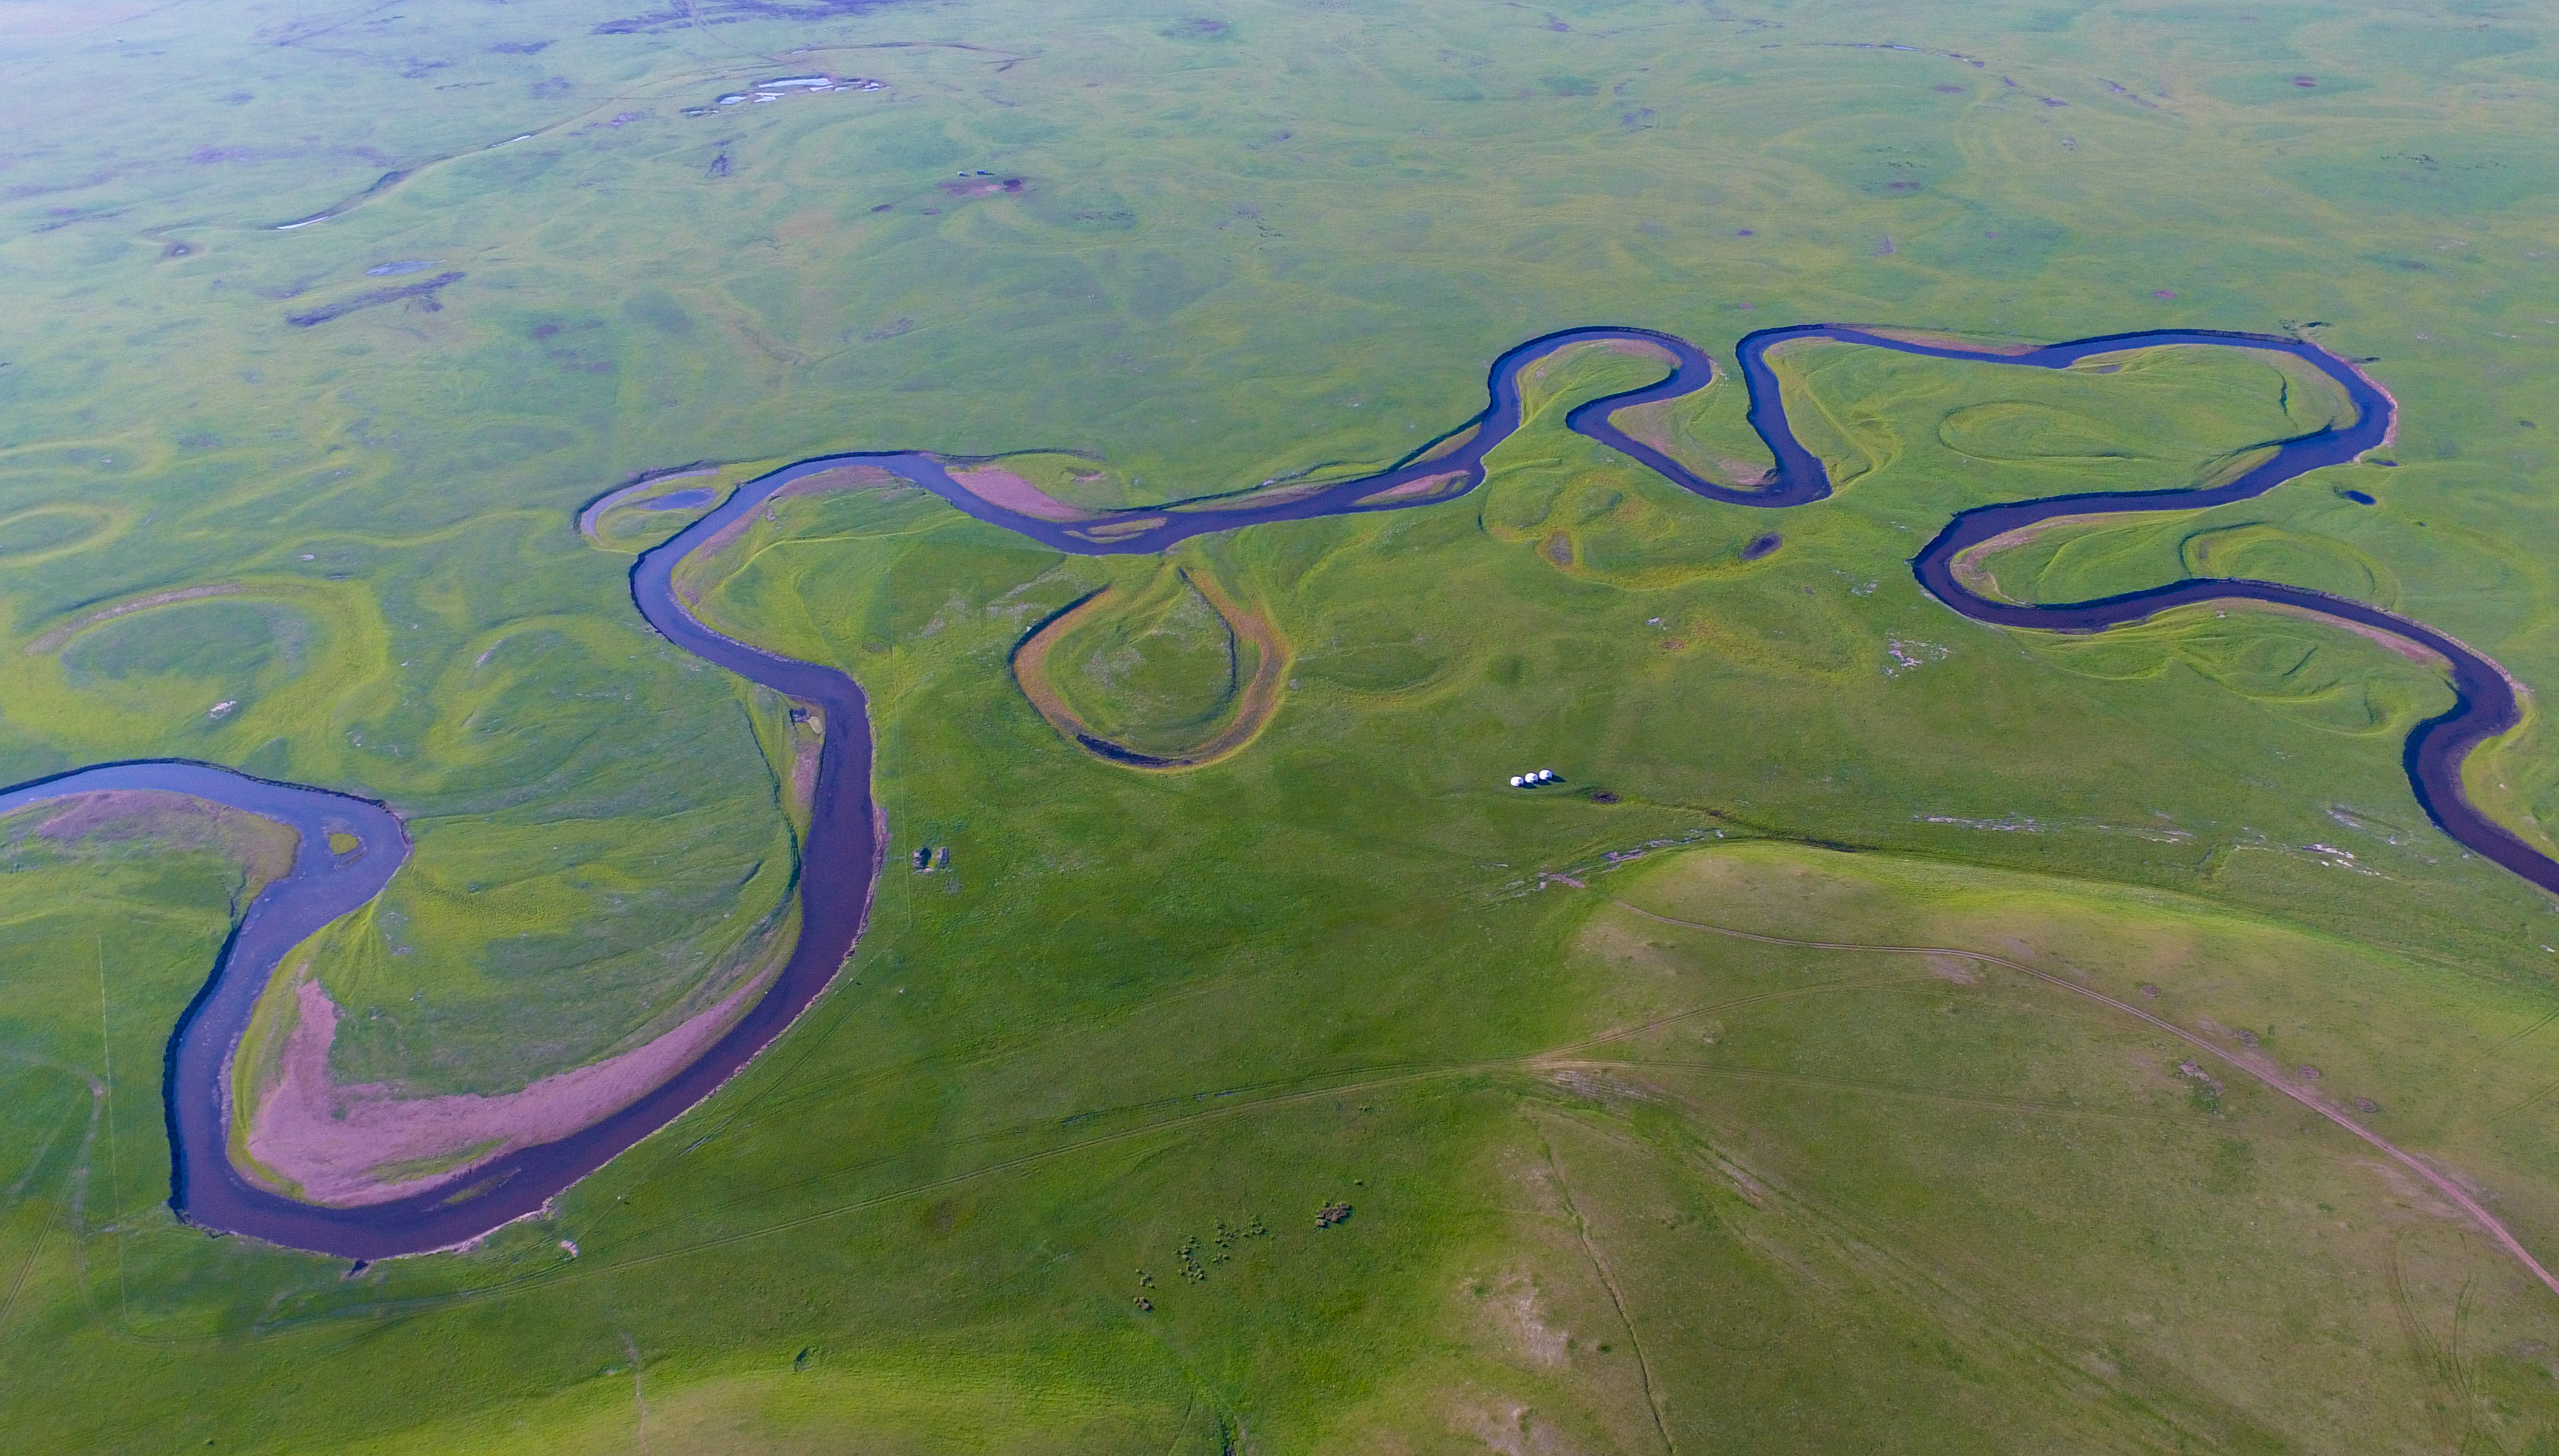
(843, 850)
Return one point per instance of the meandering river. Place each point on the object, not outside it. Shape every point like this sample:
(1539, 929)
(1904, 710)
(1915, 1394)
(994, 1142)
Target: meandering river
(842, 852)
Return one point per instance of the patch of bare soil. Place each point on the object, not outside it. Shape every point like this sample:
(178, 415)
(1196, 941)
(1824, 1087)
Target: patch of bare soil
(329, 1140)
(128, 814)
(2414, 651)
(804, 751)
(1511, 1427)
(1120, 527)
(1448, 446)
(842, 478)
(1650, 424)
(1512, 1307)
(1030, 664)
(1936, 338)
(1642, 348)
(1428, 485)
(1005, 489)
(1598, 1085)
(177, 821)
(1633, 348)
(1972, 566)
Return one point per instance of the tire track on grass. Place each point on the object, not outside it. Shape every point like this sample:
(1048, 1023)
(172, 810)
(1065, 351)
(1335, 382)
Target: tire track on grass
(2488, 1222)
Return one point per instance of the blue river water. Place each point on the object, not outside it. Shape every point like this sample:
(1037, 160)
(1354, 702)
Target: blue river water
(842, 852)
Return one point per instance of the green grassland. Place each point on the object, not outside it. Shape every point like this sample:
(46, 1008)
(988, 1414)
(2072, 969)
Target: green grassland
(1157, 672)
(1616, 1185)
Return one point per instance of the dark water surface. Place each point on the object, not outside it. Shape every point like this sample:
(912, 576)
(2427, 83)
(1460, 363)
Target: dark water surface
(843, 853)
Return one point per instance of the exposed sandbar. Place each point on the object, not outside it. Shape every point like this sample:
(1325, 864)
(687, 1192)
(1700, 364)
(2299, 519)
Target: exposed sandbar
(333, 1142)
(1006, 491)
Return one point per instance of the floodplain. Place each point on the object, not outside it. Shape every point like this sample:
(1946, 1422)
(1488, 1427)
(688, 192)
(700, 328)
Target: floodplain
(1045, 1169)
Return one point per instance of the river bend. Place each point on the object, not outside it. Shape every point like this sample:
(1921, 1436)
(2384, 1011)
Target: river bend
(841, 855)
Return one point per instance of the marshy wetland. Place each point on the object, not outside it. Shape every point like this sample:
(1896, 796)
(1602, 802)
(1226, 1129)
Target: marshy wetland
(1305, 1088)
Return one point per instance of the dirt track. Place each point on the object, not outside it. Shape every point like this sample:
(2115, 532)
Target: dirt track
(2254, 1065)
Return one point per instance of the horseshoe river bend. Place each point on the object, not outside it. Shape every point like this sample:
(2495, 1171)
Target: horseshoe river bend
(349, 847)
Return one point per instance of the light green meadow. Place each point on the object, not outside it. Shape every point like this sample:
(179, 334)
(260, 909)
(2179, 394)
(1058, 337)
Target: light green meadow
(1042, 1172)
